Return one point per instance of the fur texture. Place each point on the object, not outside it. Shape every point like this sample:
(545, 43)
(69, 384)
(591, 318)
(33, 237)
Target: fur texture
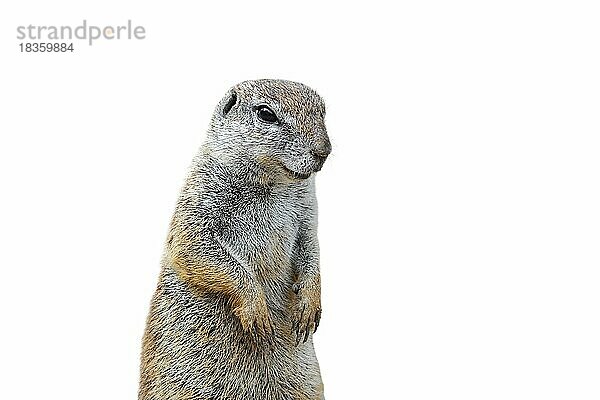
(238, 297)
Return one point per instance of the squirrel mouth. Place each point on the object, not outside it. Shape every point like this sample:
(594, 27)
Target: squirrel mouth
(294, 174)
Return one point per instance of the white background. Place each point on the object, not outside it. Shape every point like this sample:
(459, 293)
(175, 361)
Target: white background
(459, 212)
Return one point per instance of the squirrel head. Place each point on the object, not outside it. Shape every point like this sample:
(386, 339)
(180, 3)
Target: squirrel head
(275, 126)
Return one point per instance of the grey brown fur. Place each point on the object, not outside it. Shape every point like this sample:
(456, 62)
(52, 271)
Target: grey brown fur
(238, 297)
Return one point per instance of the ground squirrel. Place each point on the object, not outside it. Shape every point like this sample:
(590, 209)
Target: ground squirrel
(239, 293)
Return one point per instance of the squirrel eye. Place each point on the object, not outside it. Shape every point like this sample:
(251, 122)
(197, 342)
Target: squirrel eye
(266, 114)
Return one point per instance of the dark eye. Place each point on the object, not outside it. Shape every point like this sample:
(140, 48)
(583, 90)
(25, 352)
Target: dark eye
(266, 114)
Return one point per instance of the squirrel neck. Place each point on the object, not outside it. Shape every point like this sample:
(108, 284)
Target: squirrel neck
(237, 169)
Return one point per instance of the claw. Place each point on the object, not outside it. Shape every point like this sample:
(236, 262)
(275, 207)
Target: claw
(302, 314)
(298, 325)
(299, 333)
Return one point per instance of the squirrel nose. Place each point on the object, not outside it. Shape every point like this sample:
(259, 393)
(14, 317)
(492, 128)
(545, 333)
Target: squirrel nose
(322, 149)
(320, 153)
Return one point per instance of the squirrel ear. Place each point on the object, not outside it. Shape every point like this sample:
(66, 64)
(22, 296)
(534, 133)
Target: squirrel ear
(230, 103)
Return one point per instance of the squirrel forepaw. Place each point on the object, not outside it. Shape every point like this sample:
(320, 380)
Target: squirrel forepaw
(254, 315)
(307, 310)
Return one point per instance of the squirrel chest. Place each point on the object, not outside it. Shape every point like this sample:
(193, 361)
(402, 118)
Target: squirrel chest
(261, 232)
